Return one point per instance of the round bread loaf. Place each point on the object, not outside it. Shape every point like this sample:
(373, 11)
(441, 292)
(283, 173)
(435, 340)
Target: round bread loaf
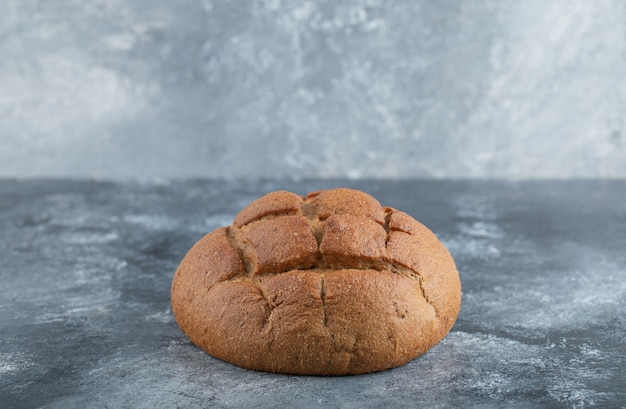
(327, 284)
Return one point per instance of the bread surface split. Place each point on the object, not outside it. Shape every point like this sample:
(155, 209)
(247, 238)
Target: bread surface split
(331, 283)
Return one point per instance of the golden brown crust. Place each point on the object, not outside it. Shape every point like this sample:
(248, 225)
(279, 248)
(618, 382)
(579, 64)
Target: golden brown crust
(280, 202)
(331, 284)
(345, 201)
(353, 236)
(281, 244)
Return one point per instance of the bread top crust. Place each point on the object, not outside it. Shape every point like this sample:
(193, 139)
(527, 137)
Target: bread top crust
(328, 230)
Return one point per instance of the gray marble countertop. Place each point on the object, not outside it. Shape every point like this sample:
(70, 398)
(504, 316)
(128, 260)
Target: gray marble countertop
(85, 319)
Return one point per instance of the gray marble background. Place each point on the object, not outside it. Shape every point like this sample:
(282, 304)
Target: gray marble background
(360, 88)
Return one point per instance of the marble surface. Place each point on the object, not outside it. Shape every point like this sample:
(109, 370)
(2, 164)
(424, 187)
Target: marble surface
(316, 88)
(85, 319)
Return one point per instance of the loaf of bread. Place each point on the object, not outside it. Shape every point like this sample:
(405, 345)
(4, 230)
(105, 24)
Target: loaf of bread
(331, 283)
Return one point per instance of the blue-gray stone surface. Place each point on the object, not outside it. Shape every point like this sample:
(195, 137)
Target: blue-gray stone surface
(273, 88)
(85, 318)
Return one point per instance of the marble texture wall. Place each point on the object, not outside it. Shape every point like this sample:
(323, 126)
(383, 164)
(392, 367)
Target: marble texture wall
(358, 88)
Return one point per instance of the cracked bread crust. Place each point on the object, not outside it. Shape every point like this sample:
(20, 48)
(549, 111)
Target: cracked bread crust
(331, 283)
